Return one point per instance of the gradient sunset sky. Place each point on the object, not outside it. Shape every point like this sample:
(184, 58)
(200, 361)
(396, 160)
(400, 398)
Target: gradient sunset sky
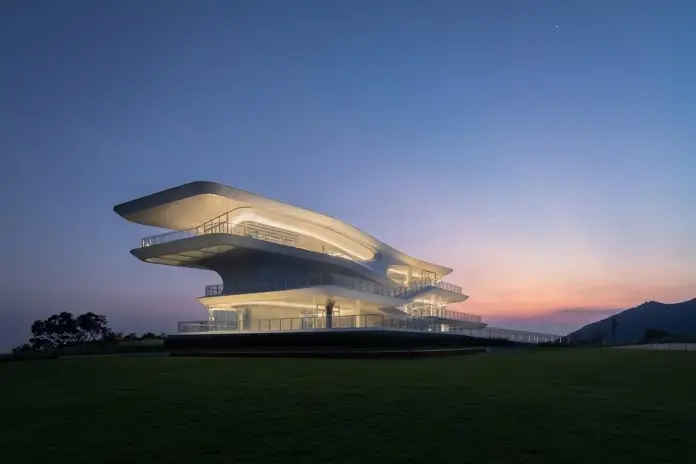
(545, 150)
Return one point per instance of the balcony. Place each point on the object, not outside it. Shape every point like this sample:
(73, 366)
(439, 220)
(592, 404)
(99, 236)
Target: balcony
(268, 235)
(417, 286)
(459, 316)
(449, 287)
(362, 285)
(242, 287)
(258, 231)
(428, 310)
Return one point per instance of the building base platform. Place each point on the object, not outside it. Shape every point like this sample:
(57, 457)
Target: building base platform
(340, 342)
(333, 353)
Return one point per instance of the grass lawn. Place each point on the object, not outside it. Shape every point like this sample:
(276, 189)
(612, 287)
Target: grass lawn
(555, 406)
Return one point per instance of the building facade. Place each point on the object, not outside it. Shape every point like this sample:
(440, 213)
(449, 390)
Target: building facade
(285, 268)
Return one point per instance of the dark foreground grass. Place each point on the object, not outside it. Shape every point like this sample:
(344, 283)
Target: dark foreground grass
(594, 406)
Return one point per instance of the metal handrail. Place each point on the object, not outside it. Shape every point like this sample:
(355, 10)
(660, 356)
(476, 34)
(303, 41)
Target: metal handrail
(222, 228)
(422, 284)
(420, 309)
(449, 287)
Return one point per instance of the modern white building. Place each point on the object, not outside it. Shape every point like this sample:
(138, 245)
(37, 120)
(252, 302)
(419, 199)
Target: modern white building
(287, 268)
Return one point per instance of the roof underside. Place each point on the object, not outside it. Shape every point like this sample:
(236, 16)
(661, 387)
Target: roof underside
(190, 205)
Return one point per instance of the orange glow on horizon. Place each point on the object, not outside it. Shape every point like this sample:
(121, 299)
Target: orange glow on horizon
(537, 301)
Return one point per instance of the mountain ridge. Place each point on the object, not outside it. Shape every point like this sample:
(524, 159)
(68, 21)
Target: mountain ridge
(678, 319)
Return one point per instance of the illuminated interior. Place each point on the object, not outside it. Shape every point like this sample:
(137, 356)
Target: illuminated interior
(292, 232)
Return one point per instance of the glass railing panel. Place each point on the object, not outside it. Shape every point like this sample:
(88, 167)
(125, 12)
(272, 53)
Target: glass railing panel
(214, 290)
(365, 321)
(421, 310)
(419, 285)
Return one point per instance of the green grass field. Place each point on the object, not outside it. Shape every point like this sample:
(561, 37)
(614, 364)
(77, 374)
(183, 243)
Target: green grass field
(555, 406)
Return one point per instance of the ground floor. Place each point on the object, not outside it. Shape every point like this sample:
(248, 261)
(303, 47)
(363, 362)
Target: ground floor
(284, 316)
(279, 315)
(338, 308)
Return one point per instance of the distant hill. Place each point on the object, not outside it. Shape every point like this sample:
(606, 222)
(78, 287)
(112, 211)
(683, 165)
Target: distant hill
(679, 319)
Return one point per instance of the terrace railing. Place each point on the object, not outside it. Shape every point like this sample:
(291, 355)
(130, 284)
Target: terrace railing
(353, 283)
(428, 310)
(226, 224)
(449, 287)
(419, 285)
(507, 334)
(242, 287)
(363, 321)
(220, 228)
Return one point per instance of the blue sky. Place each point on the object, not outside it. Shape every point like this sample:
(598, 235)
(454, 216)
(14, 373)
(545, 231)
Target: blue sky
(543, 149)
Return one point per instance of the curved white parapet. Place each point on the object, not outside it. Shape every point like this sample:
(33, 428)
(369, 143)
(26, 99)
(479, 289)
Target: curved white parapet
(272, 227)
(189, 206)
(199, 251)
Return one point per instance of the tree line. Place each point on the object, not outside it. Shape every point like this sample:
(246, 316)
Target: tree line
(64, 329)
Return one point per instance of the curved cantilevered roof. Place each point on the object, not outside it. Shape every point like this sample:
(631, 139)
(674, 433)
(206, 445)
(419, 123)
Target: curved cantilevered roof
(192, 204)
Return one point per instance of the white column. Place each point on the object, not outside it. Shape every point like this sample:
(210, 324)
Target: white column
(240, 319)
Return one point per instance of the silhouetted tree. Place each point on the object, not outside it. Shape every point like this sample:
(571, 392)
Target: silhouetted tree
(64, 330)
(93, 327)
(23, 348)
(58, 330)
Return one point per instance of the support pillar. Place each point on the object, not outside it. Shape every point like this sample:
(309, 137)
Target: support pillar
(329, 314)
(240, 320)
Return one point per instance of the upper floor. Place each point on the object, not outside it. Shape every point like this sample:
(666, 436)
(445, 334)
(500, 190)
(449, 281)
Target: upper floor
(206, 220)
